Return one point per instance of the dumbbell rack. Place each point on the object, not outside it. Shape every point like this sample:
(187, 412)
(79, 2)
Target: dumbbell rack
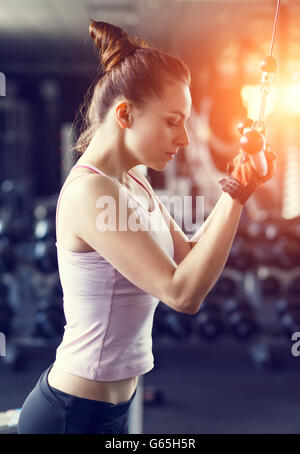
(24, 298)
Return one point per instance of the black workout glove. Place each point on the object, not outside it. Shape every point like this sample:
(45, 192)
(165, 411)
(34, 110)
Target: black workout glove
(243, 178)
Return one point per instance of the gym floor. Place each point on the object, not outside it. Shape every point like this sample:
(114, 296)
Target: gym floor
(208, 388)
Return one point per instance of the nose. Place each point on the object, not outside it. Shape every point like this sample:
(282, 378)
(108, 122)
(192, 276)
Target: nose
(183, 140)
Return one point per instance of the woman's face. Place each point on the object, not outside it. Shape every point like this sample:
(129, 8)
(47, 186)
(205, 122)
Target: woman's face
(160, 127)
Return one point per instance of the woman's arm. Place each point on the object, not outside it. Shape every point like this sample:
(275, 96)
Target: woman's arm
(182, 244)
(202, 266)
(140, 258)
(201, 231)
(198, 271)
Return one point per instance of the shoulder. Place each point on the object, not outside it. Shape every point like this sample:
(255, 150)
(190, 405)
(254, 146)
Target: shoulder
(93, 182)
(93, 185)
(93, 192)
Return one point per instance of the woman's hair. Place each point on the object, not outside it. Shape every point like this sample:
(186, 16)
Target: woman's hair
(130, 68)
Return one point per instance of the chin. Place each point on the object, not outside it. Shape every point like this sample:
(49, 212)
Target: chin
(158, 166)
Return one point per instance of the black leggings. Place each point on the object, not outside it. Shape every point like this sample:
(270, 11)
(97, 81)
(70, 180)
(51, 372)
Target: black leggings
(50, 411)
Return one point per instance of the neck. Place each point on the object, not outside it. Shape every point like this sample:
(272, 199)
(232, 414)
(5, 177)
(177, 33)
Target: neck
(107, 152)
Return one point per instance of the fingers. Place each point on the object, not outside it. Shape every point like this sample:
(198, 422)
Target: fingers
(229, 168)
(242, 168)
(271, 158)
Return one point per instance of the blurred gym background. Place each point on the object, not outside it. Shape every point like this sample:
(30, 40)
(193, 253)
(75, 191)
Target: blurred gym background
(231, 368)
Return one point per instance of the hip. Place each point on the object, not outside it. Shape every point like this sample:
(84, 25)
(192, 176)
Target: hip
(48, 410)
(113, 392)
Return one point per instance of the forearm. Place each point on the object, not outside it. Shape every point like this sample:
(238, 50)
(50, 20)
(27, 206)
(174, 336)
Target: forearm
(200, 232)
(201, 267)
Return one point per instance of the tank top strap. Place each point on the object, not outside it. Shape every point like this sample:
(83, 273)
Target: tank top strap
(138, 181)
(91, 167)
(95, 169)
(61, 192)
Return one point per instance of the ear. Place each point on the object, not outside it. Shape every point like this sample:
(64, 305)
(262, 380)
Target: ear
(123, 114)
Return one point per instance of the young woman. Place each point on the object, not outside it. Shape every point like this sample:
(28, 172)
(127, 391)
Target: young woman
(113, 278)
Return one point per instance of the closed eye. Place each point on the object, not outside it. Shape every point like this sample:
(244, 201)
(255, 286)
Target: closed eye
(172, 123)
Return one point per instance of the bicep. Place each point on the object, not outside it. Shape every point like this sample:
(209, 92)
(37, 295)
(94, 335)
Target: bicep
(182, 245)
(115, 229)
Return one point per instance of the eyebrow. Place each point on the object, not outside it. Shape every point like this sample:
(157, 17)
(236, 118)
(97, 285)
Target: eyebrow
(179, 113)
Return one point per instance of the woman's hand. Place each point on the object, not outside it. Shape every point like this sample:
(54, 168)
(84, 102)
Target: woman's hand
(243, 178)
(242, 169)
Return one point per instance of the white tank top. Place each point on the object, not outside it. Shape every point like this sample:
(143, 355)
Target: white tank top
(107, 336)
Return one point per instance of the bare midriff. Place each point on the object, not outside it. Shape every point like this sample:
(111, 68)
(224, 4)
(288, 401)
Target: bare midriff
(113, 392)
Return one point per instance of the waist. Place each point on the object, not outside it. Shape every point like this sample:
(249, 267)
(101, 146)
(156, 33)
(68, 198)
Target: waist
(112, 392)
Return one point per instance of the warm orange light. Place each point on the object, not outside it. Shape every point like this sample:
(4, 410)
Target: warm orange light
(285, 97)
(251, 97)
(290, 98)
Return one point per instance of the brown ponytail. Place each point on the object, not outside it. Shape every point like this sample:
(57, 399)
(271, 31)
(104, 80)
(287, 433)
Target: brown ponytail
(132, 69)
(114, 43)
